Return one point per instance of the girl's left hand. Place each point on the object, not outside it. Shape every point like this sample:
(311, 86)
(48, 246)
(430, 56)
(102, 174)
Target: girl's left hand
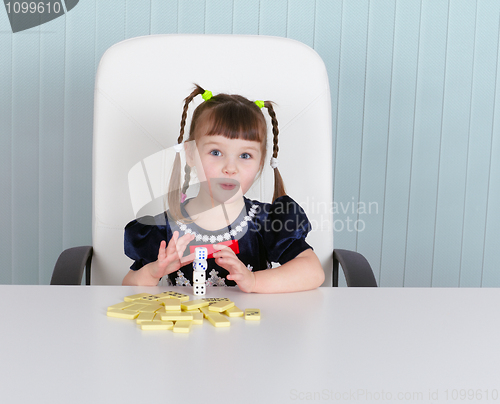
(238, 272)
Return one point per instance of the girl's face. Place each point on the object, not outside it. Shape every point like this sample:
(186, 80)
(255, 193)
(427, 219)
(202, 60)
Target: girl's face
(226, 167)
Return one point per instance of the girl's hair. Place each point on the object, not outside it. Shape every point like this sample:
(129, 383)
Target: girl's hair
(231, 116)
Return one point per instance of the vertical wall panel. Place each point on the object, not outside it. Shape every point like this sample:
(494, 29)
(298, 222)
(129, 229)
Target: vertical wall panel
(6, 229)
(350, 120)
(110, 28)
(191, 18)
(491, 271)
(164, 15)
(51, 150)
(80, 64)
(301, 19)
(426, 144)
(137, 18)
(379, 62)
(25, 120)
(454, 142)
(327, 39)
(246, 17)
(399, 150)
(480, 138)
(273, 17)
(219, 17)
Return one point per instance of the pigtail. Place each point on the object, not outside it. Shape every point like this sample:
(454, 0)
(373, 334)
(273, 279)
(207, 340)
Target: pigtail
(187, 178)
(279, 186)
(174, 192)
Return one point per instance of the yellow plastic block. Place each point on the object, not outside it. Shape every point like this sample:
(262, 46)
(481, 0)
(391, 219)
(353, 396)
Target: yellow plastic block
(180, 296)
(120, 306)
(145, 317)
(218, 320)
(152, 308)
(172, 295)
(252, 314)
(234, 312)
(176, 316)
(137, 306)
(198, 318)
(194, 304)
(148, 298)
(157, 325)
(221, 306)
(172, 304)
(193, 311)
(205, 311)
(127, 314)
(182, 326)
(213, 300)
(135, 297)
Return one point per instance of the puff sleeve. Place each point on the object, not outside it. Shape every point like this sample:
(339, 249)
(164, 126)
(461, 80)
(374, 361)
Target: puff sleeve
(284, 227)
(143, 237)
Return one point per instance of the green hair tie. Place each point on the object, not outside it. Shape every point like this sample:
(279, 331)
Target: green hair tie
(259, 103)
(207, 95)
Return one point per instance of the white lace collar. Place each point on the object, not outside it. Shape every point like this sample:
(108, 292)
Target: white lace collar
(218, 238)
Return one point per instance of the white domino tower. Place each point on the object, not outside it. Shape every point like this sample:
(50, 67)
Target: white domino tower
(199, 267)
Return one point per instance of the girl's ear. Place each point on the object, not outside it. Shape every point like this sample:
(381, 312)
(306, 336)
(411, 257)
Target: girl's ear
(190, 149)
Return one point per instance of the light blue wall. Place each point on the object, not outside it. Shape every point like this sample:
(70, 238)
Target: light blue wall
(416, 118)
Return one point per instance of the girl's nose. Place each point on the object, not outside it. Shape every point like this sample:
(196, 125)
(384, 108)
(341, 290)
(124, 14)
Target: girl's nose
(229, 168)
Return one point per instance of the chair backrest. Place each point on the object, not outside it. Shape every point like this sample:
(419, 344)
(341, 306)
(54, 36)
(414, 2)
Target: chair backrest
(140, 87)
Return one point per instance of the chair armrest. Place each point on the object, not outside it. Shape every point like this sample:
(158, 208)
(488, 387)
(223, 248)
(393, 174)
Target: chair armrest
(70, 266)
(357, 270)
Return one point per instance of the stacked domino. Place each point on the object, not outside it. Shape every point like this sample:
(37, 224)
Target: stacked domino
(199, 267)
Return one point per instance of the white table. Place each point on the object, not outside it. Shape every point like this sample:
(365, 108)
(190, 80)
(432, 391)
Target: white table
(327, 345)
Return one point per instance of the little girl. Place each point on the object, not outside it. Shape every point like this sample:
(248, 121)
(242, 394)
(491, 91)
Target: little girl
(227, 148)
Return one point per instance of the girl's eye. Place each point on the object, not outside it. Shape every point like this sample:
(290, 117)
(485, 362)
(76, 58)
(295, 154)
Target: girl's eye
(215, 153)
(246, 156)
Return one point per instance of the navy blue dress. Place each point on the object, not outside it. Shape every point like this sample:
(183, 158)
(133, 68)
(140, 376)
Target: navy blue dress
(265, 233)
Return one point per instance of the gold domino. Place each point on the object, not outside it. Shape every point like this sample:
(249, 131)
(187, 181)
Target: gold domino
(213, 300)
(182, 326)
(135, 297)
(252, 314)
(120, 306)
(234, 312)
(138, 306)
(172, 295)
(148, 299)
(126, 314)
(157, 325)
(205, 311)
(218, 320)
(198, 318)
(172, 304)
(176, 316)
(221, 306)
(151, 308)
(143, 317)
(194, 304)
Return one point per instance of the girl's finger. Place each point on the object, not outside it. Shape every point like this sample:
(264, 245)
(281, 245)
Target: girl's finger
(161, 250)
(187, 259)
(173, 242)
(235, 277)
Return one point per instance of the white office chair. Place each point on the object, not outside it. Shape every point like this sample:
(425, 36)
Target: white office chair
(140, 87)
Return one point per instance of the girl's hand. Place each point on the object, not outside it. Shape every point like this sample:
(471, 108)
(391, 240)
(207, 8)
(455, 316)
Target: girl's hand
(170, 258)
(238, 272)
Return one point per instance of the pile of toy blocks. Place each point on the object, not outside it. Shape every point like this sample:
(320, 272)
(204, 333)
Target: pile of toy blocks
(174, 311)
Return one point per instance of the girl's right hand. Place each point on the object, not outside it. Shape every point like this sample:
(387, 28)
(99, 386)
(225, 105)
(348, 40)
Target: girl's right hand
(170, 258)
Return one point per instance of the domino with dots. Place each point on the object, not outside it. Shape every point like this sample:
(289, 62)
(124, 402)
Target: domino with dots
(252, 314)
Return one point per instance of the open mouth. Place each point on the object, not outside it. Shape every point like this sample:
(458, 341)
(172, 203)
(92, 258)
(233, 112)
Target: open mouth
(228, 187)
(227, 184)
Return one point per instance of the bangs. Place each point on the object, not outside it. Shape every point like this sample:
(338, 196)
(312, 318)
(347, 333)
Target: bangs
(235, 121)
